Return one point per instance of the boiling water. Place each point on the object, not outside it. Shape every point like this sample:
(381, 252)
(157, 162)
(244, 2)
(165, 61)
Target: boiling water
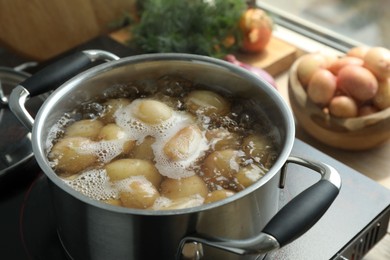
(94, 181)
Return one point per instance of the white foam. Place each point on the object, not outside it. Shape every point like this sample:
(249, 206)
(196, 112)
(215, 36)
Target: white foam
(94, 184)
(138, 130)
(163, 203)
(56, 130)
(125, 184)
(106, 150)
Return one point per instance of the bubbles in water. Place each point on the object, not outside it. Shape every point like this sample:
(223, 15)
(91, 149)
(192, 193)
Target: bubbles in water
(92, 110)
(122, 90)
(138, 130)
(57, 130)
(173, 86)
(172, 163)
(94, 184)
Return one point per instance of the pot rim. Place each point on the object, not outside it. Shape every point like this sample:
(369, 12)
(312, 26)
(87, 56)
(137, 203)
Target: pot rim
(15, 76)
(69, 85)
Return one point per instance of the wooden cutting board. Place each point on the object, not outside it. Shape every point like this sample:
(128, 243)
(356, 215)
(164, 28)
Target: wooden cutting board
(275, 59)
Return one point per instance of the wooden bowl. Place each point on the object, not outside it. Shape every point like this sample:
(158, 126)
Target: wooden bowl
(359, 133)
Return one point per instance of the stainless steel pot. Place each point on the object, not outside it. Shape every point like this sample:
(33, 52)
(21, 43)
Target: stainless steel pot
(15, 145)
(246, 224)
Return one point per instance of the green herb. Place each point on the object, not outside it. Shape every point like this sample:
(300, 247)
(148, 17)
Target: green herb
(189, 26)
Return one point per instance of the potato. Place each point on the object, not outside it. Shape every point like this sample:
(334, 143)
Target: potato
(71, 155)
(152, 111)
(207, 103)
(218, 195)
(221, 163)
(111, 132)
(125, 168)
(330, 58)
(358, 52)
(89, 128)
(163, 203)
(308, 65)
(184, 187)
(114, 202)
(357, 82)
(367, 110)
(184, 143)
(382, 97)
(114, 132)
(111, 106)
(221, 139)
(249, 175)
(343, 106)
(340, 63)
(257, 147)
(139, 194)
(322, 87)
(144, 150)
(377, 60)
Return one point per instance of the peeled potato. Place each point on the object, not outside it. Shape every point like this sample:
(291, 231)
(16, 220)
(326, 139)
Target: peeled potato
(184, 143)
(249, 175)
(184, 187)
(139, 194)
(144, 150)
(163, 203)
(89, 128)
(125, 168)
(206, 102)
(111, 132)
(114, 132)
(218, 195)
(221, 163)
(72, 155)
(114, 202)
(343, 106)
(357, 82)
(322, 87)
(111, 106)
(377, 60)
(221, 139)
(152, 111)
(257, 147)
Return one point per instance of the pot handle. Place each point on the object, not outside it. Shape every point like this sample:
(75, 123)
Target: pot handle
(53, 75)
(294, 219)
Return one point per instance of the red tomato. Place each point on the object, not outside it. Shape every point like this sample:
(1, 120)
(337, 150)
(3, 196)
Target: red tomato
(256, 27)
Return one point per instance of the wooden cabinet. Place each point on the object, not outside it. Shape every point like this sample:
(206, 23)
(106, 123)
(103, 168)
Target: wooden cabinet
(40, 29)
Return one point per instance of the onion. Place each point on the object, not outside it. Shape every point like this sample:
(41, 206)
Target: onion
(257, 71)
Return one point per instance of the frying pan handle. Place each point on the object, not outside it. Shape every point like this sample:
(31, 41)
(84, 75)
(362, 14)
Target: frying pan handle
(51, 77)
(294, 219)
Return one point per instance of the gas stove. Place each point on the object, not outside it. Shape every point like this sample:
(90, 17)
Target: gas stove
(354, 223)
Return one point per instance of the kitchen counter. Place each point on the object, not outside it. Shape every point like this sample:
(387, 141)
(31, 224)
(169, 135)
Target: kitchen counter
(373, 163)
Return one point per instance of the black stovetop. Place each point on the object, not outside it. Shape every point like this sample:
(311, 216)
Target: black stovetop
(28, 224)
